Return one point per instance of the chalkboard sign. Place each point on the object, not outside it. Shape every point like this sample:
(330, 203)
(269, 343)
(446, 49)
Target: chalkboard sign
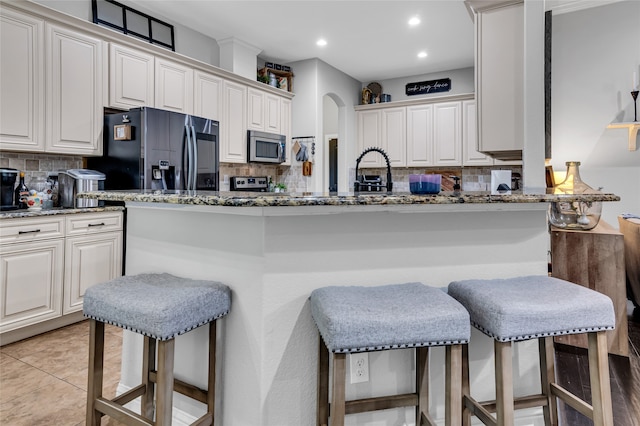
(431, 86)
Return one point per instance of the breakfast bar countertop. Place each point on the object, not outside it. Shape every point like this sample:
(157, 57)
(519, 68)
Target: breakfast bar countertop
(24, 213)
(274, 199)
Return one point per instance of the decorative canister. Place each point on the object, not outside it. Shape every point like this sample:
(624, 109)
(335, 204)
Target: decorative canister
(580, 215)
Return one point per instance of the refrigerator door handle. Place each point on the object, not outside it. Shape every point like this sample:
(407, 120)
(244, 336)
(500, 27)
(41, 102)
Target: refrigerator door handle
(194, 168)
(189, 157)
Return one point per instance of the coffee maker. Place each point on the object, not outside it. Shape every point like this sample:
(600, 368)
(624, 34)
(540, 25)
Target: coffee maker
(7, 185)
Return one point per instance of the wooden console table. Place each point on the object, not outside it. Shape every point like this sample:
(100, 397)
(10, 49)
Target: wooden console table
(594, 259)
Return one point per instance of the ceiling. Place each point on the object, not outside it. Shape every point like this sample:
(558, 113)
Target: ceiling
(368, 40)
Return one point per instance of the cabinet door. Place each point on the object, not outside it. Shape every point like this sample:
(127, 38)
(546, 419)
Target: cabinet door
(131, 77)
(173, 86)
(499, 84)
(272, 113)
(394, 135)
(420, 136)
(470, 154)
(369, 135)
(89, 260)
(233, 144)
(31, 282)
(74, 92)
(255, 109)
(285, 127)
(21, 82)
(207, 95)
(447, 140)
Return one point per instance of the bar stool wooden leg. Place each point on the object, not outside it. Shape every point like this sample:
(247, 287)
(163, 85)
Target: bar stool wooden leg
(148, 366)
(322, 412)
(504, 383)
(599, 374)
(211, 386)
(548, 376)
(453, 385)
(338, 389)
(422, 383)
(164, 403)
(465, 388)
(96, 362)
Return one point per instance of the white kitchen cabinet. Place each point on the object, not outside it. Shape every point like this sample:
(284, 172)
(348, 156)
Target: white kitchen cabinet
(285, 127)
(255, 109)
(263, 111)
(131, 77)
(394, 135)
(420, 136)
(233, 138)
(93, 254)
(208, 96)
(32, 265)
(470, 154)
(48, 263)
(500, 78)
(21, 82)
(369, 135)
(74, 88)
(447, 134)
(173, 86)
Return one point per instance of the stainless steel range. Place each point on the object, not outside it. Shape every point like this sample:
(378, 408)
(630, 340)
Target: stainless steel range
(249, 183)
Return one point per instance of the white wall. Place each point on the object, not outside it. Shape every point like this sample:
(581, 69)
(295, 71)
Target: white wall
(313, 80)
(594, 53)
(462, 81)
(188, 42)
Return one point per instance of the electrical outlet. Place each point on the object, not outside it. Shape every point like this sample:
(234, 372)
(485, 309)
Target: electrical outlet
(359, 363)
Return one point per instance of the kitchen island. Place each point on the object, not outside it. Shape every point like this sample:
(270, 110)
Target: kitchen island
(274, 249)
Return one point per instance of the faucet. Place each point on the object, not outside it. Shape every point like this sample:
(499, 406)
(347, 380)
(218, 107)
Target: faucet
(356, 184)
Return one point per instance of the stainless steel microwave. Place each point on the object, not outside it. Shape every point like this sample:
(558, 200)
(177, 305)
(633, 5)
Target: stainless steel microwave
(265, 147)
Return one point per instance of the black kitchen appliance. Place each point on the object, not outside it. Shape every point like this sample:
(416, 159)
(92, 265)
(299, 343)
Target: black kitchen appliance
(370, 183)
(7, 185)
(249, 183)
(149, 148)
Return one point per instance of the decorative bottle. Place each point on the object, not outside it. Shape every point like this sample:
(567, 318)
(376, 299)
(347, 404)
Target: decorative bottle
(21, 193)
(579, 215)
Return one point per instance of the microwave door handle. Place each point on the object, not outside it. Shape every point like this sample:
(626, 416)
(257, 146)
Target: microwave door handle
(194, 168)
(280, 151)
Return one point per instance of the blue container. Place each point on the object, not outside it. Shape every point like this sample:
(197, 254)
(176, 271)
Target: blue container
(425, 184)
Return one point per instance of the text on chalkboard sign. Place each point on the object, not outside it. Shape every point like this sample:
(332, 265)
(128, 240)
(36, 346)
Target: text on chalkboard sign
(431, 86)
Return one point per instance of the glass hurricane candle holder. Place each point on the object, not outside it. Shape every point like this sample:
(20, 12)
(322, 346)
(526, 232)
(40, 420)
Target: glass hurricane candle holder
(579, 215)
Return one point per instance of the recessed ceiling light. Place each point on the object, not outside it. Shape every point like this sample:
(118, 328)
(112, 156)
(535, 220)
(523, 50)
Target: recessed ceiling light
(414, 21)
(321, 42)
(422, 55)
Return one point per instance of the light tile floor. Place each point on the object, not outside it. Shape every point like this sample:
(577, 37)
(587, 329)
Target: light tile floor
(43, 380)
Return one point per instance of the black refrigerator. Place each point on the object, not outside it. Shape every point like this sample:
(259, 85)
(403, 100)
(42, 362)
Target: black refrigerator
(149, 148)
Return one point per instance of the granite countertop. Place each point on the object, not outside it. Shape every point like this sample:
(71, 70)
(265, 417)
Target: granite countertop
(270, 199)
(13, 214)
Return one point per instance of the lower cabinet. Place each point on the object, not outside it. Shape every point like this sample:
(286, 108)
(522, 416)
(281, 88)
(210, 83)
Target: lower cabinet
(47, 263)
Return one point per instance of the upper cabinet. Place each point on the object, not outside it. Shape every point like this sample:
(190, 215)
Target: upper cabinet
(174, 86)
(21, 82)
(59, 113)
(423, 133)
(131, 77)
(207, 95)
(233, 137)
(500, 77)
(74, 91)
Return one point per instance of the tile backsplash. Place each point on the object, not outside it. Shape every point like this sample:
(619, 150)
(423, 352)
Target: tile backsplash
(37, 166)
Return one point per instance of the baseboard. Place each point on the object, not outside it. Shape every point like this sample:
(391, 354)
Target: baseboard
(39, 328)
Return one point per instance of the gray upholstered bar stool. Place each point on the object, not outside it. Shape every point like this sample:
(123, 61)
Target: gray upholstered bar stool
(365, 319)
(160, 307)
(537, 307)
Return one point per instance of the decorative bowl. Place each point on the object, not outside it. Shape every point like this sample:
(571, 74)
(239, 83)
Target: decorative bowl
(425, 184)
(34, 202)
